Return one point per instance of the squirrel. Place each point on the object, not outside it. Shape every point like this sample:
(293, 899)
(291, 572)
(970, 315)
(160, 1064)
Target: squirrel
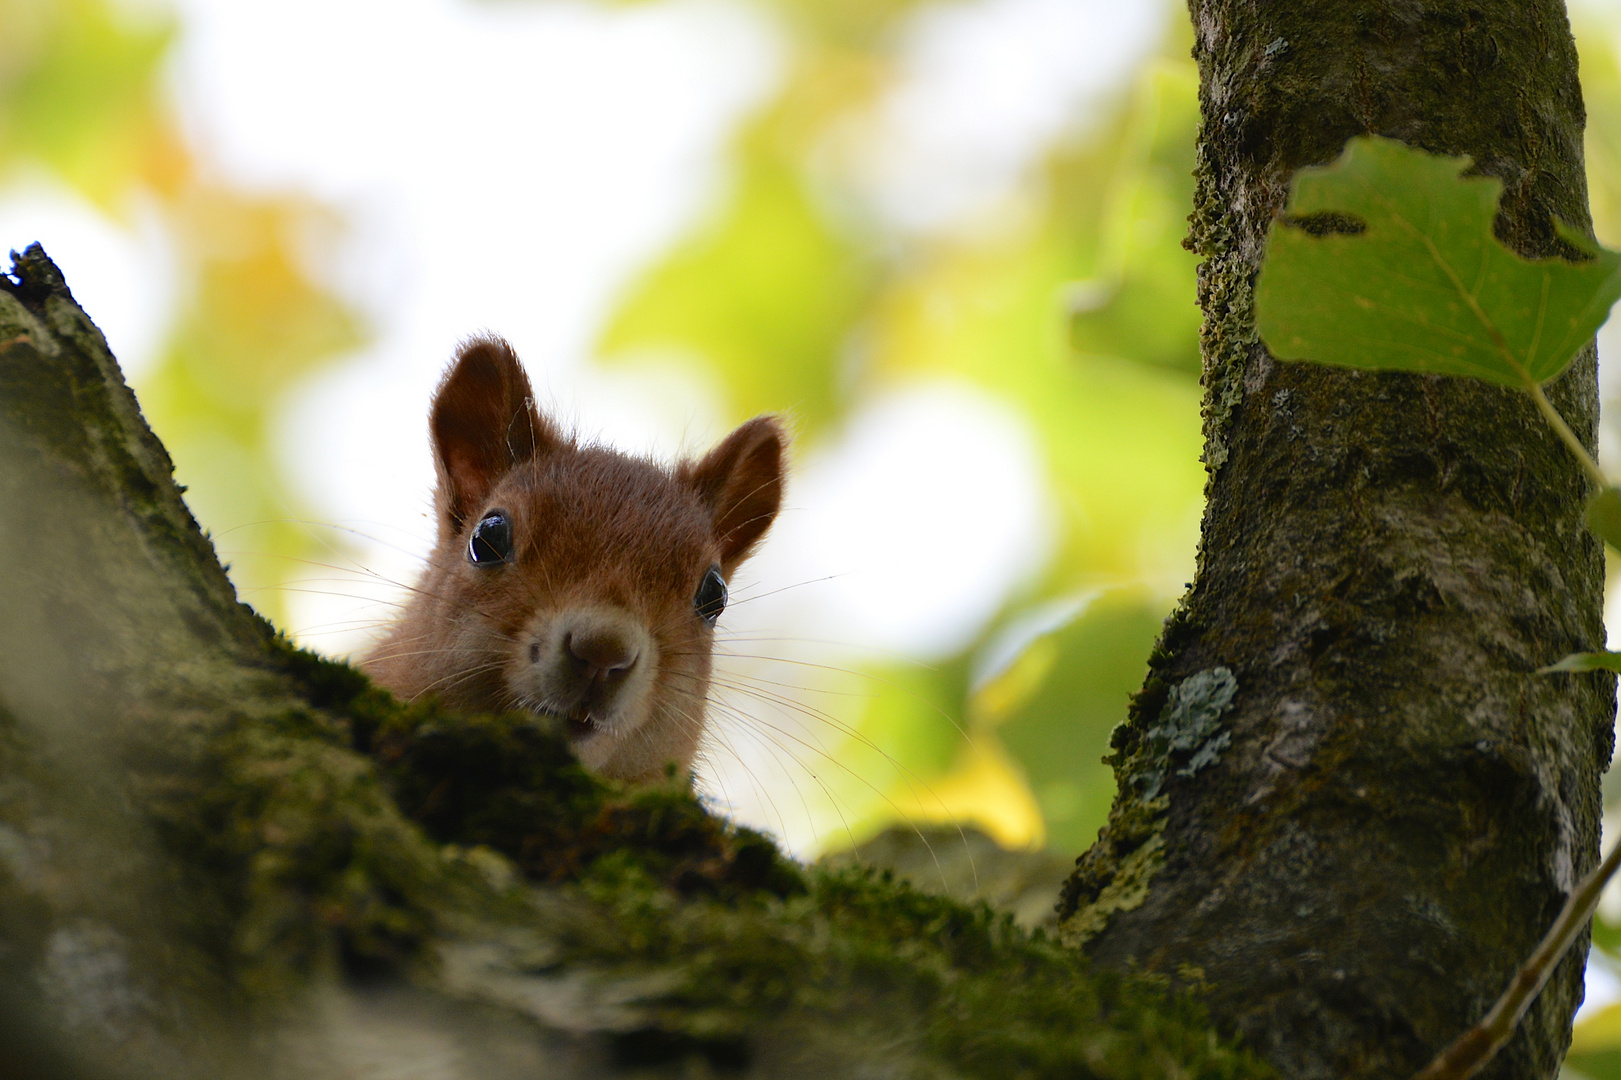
(573, 581)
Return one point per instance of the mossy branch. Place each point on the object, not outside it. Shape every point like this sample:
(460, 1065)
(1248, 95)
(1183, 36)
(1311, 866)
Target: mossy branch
(220, 855)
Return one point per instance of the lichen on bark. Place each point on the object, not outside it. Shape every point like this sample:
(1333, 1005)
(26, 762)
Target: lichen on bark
(222, 856)
(1115, 875)
(1385, 562)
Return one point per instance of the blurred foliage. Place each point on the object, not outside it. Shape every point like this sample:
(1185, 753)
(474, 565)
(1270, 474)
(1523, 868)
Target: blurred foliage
(1134, 305)
(1059, 728)
(1118, 427)
(79, 94)
(82, 99)
(769, 293)
(865, 25)
(1075, 308)
(252, 324)
(1601, 92)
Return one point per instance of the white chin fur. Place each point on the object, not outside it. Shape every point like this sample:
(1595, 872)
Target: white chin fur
(596, 750)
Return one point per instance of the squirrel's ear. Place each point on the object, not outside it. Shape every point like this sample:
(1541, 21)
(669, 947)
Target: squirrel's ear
(483, 422)
(741, 483)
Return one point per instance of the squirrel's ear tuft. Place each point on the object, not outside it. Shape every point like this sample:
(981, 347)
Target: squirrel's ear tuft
(741, 483)
(483, 422)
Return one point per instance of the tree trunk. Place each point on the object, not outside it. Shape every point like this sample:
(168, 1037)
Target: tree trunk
(1398, 804)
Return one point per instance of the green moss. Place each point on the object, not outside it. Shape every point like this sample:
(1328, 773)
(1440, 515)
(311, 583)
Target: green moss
(1227, 337)
(722, 943)
(304, 852)
(1115, 873)
(865, 950)
(510, 783)
(1123, 887)
(709, 947)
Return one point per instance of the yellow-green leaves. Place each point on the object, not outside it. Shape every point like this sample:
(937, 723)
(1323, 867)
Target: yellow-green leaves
(1386, 260)
(766, 295)
(80, 91)
(1603, 516)
(1138, 301)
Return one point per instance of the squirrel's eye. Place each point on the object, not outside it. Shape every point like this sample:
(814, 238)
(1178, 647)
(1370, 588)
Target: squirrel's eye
(711, 598)
(491, 544)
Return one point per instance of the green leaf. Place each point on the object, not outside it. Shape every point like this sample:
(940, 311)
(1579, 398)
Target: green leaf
(1386, 260)
(1603, 516)
(1585, 661)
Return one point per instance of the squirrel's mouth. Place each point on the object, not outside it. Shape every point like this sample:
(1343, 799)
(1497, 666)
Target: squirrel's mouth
(578, 721)
(576, 724)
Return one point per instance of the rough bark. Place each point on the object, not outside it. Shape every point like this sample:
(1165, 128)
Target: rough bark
(1397, 804)
(222, 857)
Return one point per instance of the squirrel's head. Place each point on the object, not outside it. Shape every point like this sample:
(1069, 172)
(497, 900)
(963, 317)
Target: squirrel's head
(575, 581)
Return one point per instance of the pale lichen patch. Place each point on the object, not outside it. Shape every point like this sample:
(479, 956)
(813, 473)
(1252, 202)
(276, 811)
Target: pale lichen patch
(1189, 729)
(1115, 874)
(1126, 891)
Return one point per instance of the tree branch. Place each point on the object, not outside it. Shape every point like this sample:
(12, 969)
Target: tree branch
(222, 856)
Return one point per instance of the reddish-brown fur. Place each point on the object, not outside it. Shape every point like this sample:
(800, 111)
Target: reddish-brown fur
(593, 618)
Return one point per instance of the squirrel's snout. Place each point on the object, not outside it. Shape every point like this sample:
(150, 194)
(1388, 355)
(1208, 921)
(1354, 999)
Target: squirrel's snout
(587, 662)
(603, 652)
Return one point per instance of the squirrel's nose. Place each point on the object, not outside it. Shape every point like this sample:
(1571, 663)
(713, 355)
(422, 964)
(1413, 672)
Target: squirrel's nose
(603, 650)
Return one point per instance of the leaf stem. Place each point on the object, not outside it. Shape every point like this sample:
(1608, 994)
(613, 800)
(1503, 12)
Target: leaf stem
(1475, 1047)
(1557, 422)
